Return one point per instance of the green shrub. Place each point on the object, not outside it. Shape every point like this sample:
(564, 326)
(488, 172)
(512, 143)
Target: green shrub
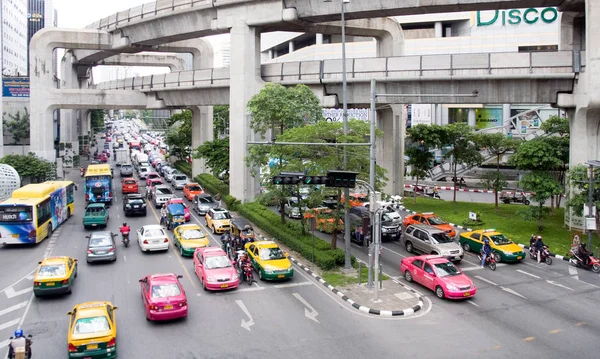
(232, 203)
(268, 199)
(184, 167)
(212, 184)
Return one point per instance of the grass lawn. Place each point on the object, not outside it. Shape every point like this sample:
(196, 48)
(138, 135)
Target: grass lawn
(505, 220)
(338, 278)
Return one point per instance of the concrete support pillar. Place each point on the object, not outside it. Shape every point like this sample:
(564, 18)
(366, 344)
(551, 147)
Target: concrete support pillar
(245, 69)
(505, 117)
(202, 131)
(438, 29)
(390, 147)
(270, 54)
(319, 39)
(438, 113)
(291, 47)
(471, 118)
(585, 132)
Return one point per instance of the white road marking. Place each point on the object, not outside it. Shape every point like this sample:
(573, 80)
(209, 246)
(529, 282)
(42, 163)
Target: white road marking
(125, 258)
(289, 285)
(4, 343)
(473, 303)
(246, 324)
(13, 308)
(309, 311)
(12, 323)
(10, 292)
(19, 281)
(527, 273)
(557, 284)
(573, 272)
(485, 280)
(508, 290)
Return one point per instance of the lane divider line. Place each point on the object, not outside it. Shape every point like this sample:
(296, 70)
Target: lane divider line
(527, 273)
(13, 308)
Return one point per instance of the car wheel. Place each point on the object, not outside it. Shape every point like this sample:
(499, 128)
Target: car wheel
(70, 290)
(213, 229)
(408, 276)
(49, 230)
(409, 247)
(526, 202)
(204, 285)
(439, 292)
(181, 251)
(260, 274)
(466, 247)
(497, 257)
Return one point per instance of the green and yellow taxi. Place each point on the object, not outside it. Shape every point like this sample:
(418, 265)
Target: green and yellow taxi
(269, 261)
(188, 237)
(55, 275)
(92, 331)
(503, 248)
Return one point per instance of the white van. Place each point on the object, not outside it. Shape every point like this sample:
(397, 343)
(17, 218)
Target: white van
(141, 159)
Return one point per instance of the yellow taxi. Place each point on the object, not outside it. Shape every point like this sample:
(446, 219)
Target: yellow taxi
(503, 248)
(218, 220)
(188, 237)
(92, 331)
(269, 261)
(55, 275)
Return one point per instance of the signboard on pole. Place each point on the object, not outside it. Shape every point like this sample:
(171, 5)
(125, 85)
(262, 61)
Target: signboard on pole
(337, 114)
(15, 87)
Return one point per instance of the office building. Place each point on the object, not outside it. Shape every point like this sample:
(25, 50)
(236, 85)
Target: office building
(14, 37)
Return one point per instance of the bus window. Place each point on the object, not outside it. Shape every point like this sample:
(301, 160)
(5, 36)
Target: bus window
(70, 194)
(16, 214)
(44, 213)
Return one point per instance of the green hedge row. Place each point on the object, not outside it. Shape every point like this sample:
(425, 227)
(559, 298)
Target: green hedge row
(290, 235)
(215, 186)
(184, 167)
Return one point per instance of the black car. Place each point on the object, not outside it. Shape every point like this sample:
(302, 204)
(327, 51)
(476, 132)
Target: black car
(134, 204)
(390, 230)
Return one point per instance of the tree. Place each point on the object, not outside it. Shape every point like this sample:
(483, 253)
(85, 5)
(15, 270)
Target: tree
(460, 137)
(146, 116)
(17, 125)
(315, 159)
(544, 186)
(97, 119)
(578, 180)
(279, 107)
(220, 120)
(497, 145)
(420, 158)
(179, 136)
(129, 114)
(215, 153)
(559, 137)
(31, 167)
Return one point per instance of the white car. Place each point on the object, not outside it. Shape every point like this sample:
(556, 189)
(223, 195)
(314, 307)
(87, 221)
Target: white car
(152, 238)
(170, 173)
(179, 181)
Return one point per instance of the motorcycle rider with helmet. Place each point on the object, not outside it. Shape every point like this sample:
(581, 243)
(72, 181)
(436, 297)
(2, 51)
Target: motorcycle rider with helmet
(486, 251)
(19, 341)
(539, 247)
(244, 264)
(125, 231)
(584, 254)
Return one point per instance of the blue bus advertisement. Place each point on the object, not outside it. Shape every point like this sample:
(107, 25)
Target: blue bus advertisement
(98, 189)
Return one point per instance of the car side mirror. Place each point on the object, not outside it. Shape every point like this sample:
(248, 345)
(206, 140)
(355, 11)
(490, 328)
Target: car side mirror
(286, 254)
(74, 259)
(179, 276)
(88, 237)
(69, 313)
(115, 308)
(40, 262)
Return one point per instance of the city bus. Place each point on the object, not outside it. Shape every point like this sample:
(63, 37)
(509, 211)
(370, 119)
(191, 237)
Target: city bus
(35, 210)
(98, 184)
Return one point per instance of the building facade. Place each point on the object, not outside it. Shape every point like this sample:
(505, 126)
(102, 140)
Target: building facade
(14, 37)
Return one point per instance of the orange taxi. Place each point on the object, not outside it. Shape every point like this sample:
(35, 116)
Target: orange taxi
(357, 199)
(129, 185)
(190, 190)
(431, 219)
(325, 221)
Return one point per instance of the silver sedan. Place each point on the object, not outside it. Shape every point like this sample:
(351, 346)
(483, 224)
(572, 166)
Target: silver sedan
(101, 247)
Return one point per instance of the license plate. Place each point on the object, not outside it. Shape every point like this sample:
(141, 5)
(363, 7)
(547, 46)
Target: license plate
(466, 294)
(92, 346)
(15, 235)
(101, 252)
(519, 257)
(168, 307)
(224, 285)
(136, 206)
(155, 242)
(94, 225)
(281, 276)
(50, 284)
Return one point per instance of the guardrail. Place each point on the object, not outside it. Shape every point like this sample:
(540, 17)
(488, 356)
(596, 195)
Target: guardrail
(557, 64)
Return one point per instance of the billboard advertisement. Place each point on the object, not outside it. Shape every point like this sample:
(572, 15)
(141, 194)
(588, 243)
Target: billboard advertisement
(488, 118)
(420, 114)
(458, 115)
(525, 120)
(336, 114)
(15, 87)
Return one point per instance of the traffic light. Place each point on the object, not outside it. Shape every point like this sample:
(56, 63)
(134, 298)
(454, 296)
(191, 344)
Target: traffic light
(315, 180)
(288, 178)
(344, 179)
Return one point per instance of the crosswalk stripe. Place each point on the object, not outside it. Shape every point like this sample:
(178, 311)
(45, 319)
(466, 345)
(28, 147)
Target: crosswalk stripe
(4, 343)
(13, 308)
(12, 323)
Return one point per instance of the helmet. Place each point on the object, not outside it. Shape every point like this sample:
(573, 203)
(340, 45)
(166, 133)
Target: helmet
(124, 224)
(486, 241)
(18, 333)
(539, 237)
(583, 245)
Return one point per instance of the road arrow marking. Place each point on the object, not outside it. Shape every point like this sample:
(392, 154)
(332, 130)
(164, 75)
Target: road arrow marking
(527, 273)
(310, 314)
(508, 290)
(246, 324)
(10, 292)
(557, 284)
(485, 280)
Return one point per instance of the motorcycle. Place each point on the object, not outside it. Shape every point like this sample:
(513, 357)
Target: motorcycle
(125, 238)
(489, 261)
(21, 353)
(82, 172)
(545, 255)
(248, 274)
(593, 263)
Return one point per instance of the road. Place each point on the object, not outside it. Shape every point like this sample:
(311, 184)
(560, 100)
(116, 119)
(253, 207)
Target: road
(513, 312)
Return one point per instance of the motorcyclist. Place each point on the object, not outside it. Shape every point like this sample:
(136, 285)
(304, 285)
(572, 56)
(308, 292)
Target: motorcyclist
(225, 238)
(19, 341)
(125, 229)
(163, 215)
(584, 254)
(81, 171)
(539, 246)
(245, 265)
(486, 251)
(532, 241)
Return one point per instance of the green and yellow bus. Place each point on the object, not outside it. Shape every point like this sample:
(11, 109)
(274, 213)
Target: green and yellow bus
(35, 210)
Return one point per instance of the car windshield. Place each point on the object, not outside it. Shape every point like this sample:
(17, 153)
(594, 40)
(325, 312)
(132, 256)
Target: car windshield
(436, 221)
(154, 232)
(100, 241)
(52, 270)
(267, 254)
(126, 167)
(165, 290)
(446, 270)
(194, 188)
(500, 239)
(207, 200)
(222, 215)
(216, 262)
(164, 190)
(153, 175)
(143, 169)
(130, 182)
(91, 325)
(442, 237)
(136, 201)
(180, 178)
(360, 199)
(192, 234)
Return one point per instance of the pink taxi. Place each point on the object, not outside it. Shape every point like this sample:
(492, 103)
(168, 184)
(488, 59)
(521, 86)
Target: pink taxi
(164, 297)
(438, 274)
(186, 211)
(214, 269)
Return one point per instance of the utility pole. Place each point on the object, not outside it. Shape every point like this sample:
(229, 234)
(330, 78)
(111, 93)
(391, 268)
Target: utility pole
(590, 206)
(347, 244)
(372, 163)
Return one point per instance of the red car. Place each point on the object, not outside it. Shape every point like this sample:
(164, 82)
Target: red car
(164, 297)
(186, 210)
(214, 269)
(438, 274)
(151, 176)
(103, 158)
(129, 185)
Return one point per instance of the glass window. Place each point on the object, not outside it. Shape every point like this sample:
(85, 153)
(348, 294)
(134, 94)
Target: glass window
(165, 290)
(436, 221)
(441, 237)
(192, 234)
(446, 270)
(206, 200)
(428, 268)
(52, 270)
(476, 236)
(154, 232)
(43, 212)
(267, 254)
(215, 262)
(418, 263)
(500, 239)
(91, 325)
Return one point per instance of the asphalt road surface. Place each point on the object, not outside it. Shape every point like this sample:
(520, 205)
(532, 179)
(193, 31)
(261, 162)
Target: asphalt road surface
(525, 309)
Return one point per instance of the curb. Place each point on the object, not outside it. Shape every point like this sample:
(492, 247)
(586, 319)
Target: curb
(362, 308)
(564, 258)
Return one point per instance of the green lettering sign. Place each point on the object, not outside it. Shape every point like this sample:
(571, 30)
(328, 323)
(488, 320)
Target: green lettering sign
(515, 16)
